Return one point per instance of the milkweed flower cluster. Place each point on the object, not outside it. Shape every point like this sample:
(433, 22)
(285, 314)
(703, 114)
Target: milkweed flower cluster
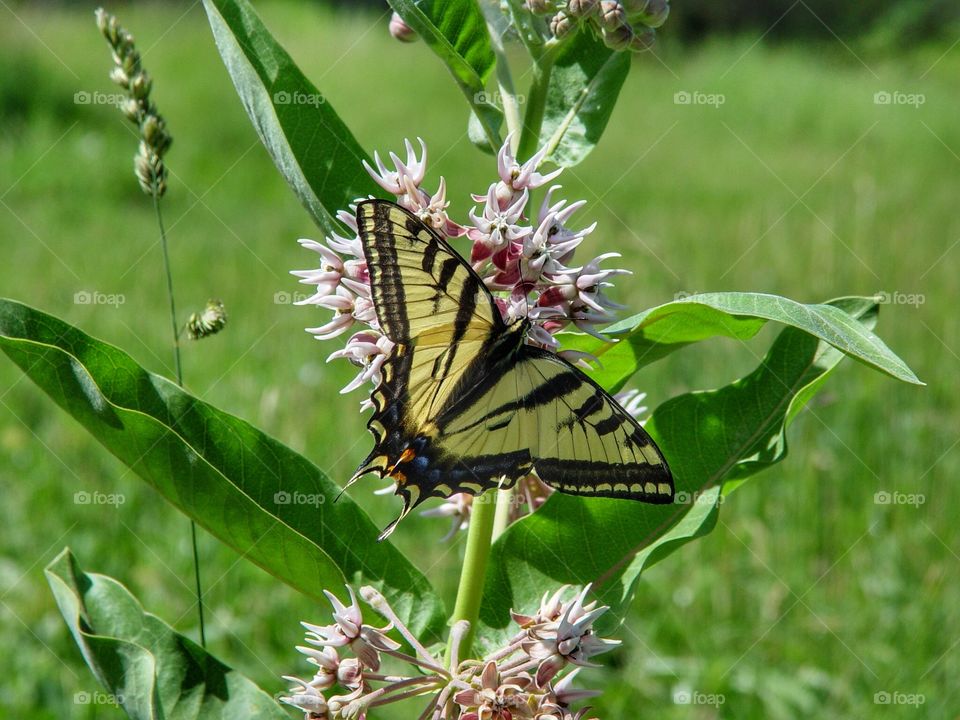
(523, 252)
(622, 24)
(529, 677)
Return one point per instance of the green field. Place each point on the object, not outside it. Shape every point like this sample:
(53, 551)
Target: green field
(809, 598)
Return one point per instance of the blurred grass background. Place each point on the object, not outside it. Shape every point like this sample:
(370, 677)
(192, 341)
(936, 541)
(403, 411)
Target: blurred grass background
(807, 600)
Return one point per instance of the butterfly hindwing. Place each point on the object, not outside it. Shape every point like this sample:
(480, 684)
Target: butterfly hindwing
(465, 404)
(580, 440)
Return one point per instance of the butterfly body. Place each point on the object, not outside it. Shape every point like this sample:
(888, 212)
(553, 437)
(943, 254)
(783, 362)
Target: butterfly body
(465, 404)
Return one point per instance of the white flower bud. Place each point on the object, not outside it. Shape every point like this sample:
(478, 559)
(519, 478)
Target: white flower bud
(400, 30)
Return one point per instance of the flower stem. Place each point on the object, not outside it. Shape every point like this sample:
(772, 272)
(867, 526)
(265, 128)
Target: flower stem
(470, 591)
(536, 104)
(501, 519)
(179, 370)
(170, 295)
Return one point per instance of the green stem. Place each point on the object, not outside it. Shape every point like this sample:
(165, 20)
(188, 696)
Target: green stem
(502, 518)
(170, 295)
(470, 591)
(508, 94)
(536, 104)
(179, 370)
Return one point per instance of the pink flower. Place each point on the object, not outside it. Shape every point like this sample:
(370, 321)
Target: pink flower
(432, 209)
(517, 177)
(348, 630)
(497, 227)
(495, 698)
(396, 181)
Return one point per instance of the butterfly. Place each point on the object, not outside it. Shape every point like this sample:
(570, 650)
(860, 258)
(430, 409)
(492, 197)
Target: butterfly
(465, 404)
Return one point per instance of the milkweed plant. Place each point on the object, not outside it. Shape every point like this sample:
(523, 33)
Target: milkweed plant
(546, 578)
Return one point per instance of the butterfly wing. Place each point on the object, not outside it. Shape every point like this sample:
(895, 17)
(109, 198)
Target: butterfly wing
(579, 439)
(441, 317)
(465, 405)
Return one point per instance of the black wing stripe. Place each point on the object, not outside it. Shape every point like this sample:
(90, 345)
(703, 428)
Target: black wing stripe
(591, 405)
(554, 388)
(430, 255)
(608, 425)
(388, 296)
(447, 268)
(467, 304)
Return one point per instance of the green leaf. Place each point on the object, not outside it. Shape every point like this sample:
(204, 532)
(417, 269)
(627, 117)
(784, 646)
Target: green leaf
(456, 31)
(309, 143)
(655, 333)
(152, 671)
(477, 130)
(583, 89)
(232, 479)
(708, 438)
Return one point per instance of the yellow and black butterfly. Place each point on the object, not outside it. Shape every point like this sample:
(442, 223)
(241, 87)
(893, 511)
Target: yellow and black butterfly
(465, 405)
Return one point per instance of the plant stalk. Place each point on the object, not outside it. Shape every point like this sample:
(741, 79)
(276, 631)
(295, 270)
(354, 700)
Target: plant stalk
(178, 367)
(501, 519)
(470, 590)
(536, 104)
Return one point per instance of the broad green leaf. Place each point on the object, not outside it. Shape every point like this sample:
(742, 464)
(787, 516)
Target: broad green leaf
(583, 89)
(232, 479)
(311, 146)
(456, 31)
(151, 671)
(655, 333)
(708, 438)
(477, 130)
